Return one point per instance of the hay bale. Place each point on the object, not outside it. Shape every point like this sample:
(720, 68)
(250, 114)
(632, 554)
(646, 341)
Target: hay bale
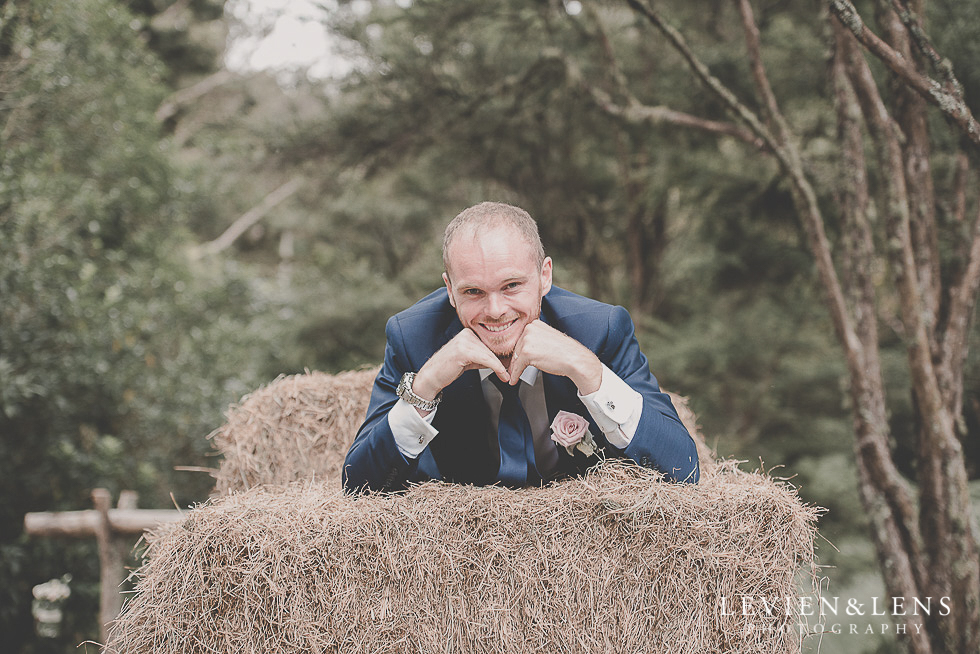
(616, 561)
(301, 426)
(297, 427)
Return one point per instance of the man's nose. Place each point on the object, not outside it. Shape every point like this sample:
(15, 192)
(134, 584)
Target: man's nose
(496, 307)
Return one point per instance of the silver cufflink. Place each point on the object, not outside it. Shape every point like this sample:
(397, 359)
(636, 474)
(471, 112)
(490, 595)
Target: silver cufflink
(421, 438)
(610, 405)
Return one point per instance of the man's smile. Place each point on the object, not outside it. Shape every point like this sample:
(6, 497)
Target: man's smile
(497, 328)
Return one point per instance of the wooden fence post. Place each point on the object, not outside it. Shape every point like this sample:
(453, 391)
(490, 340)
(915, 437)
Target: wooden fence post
(110, 528)
(111, 564)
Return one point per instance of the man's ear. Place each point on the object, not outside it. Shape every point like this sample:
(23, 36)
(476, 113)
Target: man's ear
(546, 270)
(449, 288)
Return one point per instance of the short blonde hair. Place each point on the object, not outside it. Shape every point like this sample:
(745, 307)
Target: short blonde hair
(488, 215)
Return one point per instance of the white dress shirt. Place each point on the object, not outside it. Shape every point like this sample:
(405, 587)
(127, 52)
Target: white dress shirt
(615, 407)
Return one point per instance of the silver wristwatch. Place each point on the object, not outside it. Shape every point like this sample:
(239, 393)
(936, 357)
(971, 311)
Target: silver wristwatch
(404, 391)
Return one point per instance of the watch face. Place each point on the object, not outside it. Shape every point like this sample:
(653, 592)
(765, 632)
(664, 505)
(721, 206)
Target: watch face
(402, 389)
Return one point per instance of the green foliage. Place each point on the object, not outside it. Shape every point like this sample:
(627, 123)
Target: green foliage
(116, 358)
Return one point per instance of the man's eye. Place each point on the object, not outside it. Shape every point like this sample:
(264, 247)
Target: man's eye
(472, 291)
(512, 286)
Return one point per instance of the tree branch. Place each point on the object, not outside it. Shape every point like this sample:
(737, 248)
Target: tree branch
(923, 43)
(962, 306)
(637, 113)
(943, 492)
(612, 64)
(897, 537)
(949, 103)
(804, 196)
(711, 82)
(854, 200)
(886, 136)
(762, 84)
(959, 186)
(249, 218)
(185, 96)
(910, 113)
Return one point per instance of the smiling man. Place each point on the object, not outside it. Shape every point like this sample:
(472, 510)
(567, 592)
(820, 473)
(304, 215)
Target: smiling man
(476, 373)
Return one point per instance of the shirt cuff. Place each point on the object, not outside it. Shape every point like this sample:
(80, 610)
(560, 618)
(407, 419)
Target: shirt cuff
(615, 407)
(412, 432)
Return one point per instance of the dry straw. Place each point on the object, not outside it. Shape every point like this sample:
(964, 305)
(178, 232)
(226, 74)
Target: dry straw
(298, 427)
(617, 561)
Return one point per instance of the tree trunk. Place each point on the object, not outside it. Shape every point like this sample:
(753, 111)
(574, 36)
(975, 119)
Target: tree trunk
(908, 203)
(932, 551)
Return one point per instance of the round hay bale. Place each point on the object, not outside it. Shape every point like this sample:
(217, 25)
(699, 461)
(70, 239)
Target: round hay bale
(616, 561)
(301, 426)
(297, 427)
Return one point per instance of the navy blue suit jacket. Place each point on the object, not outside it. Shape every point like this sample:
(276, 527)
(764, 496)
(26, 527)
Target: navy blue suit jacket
(461, 452)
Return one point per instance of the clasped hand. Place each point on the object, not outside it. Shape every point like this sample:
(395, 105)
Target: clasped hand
(540, 345)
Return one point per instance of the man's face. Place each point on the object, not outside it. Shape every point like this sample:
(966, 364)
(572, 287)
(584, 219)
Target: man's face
(496, 287)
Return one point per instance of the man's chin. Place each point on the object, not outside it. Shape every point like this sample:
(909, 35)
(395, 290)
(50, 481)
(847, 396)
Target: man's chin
(501, 350)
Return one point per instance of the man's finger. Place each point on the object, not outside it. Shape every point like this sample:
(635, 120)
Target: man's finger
(499, 369)
(478, 355)
(488, 359)
(518, 362)
(517, 366)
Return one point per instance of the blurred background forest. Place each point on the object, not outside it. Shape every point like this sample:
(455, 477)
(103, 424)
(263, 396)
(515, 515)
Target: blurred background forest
(175, 233)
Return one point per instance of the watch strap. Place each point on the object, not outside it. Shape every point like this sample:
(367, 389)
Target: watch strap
(405, 392)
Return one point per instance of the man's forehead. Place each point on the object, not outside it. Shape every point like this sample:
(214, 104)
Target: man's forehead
(489, 240)
(485, 232)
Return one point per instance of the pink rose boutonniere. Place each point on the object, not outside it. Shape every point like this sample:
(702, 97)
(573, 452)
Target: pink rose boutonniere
(572, 431)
